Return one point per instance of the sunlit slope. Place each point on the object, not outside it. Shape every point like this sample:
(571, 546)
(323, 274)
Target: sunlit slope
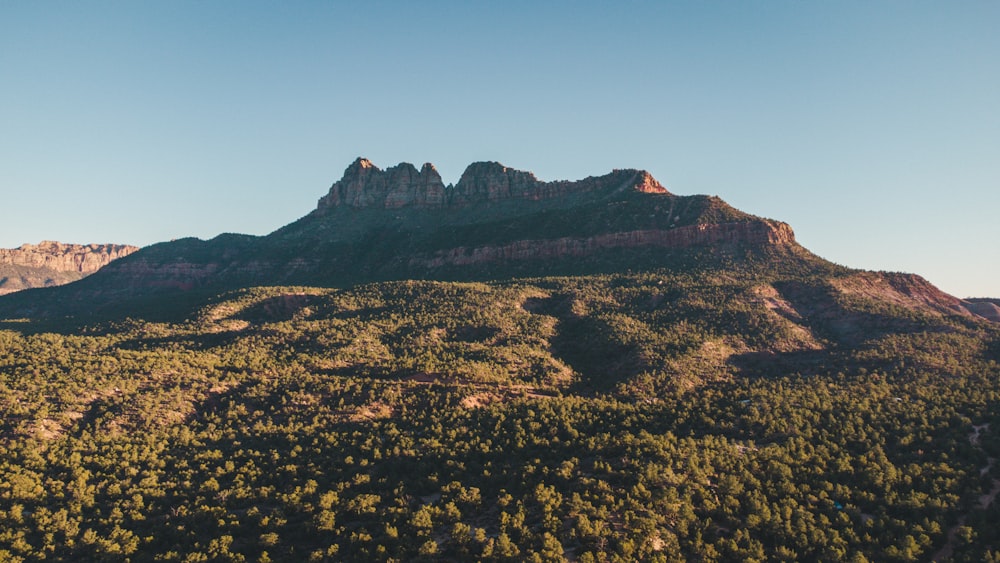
(643, 416)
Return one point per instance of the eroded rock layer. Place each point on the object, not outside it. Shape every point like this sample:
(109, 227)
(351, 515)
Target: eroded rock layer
(53, 263)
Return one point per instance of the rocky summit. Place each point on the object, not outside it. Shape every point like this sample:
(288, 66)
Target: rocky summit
(365, 185)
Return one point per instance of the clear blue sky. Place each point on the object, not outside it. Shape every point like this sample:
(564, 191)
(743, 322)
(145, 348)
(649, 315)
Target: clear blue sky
(873, 128)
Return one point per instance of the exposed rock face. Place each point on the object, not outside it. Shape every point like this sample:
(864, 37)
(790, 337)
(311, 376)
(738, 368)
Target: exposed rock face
(365, 185)
(84, 259)
(755, 232)
(492, 181)
(52, 263)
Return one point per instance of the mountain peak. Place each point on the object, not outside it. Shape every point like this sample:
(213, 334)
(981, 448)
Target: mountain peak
(365, 185)
(648, 184)
(360, 167)
(492, 181)
(363, 163)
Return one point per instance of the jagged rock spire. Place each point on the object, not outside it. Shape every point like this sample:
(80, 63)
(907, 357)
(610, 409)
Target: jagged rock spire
(365, 185)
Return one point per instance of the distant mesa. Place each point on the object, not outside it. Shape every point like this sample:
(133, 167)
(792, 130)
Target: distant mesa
(51, 263)
(365, 185)
(79, 258)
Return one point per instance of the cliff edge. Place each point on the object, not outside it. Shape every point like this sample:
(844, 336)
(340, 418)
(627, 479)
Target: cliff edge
(365, 185)
(51, 263)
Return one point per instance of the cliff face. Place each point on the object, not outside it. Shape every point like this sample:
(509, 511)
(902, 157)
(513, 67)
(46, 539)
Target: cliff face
(365, 185)
(756, 233)
(83, 259)
(52, 263)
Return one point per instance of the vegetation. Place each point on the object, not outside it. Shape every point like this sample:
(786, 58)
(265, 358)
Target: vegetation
(735, 414)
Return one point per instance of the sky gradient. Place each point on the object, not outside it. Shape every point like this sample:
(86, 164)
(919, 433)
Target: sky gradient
(873, 128)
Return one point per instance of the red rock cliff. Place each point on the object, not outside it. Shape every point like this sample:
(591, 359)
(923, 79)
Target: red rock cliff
(83, 259)
(365, 185)
(760, 232)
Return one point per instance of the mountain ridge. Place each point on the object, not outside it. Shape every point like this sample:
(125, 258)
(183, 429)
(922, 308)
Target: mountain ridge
(52, 263)
(495, 222)
(401, 223)
(366, 185)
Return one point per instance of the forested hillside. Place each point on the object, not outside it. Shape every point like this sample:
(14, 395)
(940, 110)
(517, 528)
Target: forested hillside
(653, 416)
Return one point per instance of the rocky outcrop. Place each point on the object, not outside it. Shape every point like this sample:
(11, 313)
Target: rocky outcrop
(492, 181)
(83, 259)
(752, 232)
(53, 263)
(365, 185)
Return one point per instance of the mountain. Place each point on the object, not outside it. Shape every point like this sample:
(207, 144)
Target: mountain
(402, 223)
(502, 369)
(495, 222)
(53, 263)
